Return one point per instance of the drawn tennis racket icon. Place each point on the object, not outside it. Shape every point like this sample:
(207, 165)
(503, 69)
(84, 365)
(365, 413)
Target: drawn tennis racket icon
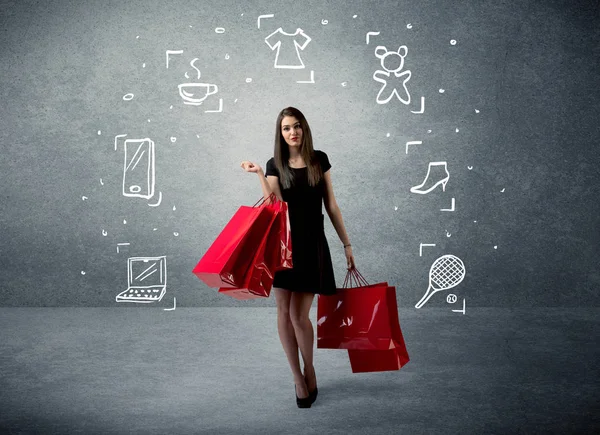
(446, 272)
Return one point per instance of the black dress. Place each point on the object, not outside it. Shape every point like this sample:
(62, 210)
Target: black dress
(312, 270)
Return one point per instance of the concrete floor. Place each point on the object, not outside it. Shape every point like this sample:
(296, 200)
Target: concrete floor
(143, 370)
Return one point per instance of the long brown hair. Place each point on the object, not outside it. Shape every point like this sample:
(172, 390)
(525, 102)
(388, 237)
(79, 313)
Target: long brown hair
(281, 153)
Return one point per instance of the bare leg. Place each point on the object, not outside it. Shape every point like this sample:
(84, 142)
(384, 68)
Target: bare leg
(288, 339)
(305, 337)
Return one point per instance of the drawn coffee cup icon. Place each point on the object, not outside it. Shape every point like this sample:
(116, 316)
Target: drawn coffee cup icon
(196, 93)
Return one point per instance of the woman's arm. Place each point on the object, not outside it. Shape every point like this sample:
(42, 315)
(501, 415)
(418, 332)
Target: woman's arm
(269, 184)
(333, 210)
(336, 219)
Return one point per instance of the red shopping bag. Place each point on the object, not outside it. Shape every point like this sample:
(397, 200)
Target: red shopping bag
(258, 279)
(281, 242)
(228, 258)
(370, 360)
(362, 317)
(392, 358)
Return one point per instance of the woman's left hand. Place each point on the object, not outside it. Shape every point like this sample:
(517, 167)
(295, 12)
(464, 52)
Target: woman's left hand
(349, 257)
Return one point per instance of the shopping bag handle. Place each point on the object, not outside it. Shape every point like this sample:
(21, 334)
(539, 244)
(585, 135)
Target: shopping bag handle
(355, 279)
(263, 200)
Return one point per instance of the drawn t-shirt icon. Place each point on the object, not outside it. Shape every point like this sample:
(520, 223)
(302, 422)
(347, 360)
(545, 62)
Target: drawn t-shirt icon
(288, 55)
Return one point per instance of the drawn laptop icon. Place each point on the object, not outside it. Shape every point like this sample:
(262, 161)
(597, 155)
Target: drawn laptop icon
(147, 280)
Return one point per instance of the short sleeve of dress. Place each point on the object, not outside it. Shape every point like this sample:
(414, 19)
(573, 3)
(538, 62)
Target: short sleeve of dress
(325, 165)
(271, 168)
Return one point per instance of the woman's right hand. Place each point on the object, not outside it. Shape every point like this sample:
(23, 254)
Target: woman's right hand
(250, 167)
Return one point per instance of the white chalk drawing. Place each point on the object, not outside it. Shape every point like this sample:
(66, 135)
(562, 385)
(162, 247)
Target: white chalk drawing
(422, 109)
(503, 189)
(104, 232)
(128, 97)
(445, 273)
(220, 30)
(170, 52)
(344, 84)
(437, 173)
(412, 142)
(442, 91)
(392, 63)
(448, 234)
(409, 26)
(452, 207)
(146, 280)
(324, 22)
(83, 198)
(421, 247)
(460, 311)
(451, 298)
(453, 42)
(122, 244)
(174, 305)
(288, 56)
(260, 17)
(219, 110)
(159, 200)
(470, 168)
(312, 78)
(195, 93)
(371, 34)
(83, 272)
(138, 167)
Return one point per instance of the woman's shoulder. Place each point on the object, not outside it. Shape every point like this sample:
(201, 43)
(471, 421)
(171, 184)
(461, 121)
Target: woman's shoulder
(323, 159)
(321, 155)
(271, 168)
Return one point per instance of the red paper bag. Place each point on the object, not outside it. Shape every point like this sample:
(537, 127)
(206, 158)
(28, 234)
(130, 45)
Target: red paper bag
(394, 358)
(226, 261)
(258, 279)
(363, 317)
(281, 243)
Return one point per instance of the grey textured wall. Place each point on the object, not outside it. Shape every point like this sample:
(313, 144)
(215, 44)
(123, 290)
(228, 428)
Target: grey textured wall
(511, 107)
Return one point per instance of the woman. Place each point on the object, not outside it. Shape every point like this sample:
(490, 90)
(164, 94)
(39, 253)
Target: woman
(300, 176)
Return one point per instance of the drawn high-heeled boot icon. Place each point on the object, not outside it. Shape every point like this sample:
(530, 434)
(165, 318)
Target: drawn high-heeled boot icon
(437, 173)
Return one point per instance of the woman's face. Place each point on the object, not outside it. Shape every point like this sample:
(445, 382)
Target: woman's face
(291, 131)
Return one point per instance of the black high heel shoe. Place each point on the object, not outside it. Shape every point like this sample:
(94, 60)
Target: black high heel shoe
(303, 403)
(312, 395)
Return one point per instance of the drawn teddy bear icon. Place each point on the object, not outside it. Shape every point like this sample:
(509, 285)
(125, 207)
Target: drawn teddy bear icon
(392, 62)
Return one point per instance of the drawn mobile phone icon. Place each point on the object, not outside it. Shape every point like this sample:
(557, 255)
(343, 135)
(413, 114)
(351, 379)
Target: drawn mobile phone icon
(138, 167)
